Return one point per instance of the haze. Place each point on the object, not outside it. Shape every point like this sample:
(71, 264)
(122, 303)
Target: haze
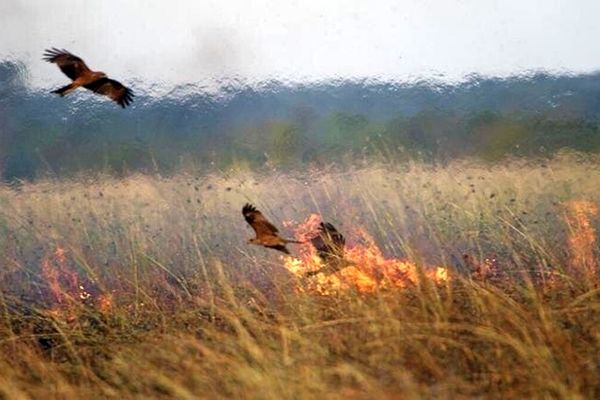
(182, 41)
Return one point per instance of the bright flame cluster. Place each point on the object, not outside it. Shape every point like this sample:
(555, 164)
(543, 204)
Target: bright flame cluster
(367, 269)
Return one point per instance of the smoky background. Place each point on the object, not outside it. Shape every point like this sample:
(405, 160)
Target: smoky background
(230, 85)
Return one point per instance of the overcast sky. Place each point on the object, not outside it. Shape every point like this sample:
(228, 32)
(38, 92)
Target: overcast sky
(183, 41)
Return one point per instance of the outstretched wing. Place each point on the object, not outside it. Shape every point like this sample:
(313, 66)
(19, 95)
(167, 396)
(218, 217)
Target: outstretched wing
(258, 222)
(71, 65)
(329, 242)
(113, 89)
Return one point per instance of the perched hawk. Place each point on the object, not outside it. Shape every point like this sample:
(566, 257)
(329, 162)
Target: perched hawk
(266, 232)
(81, 75)
(329, 244)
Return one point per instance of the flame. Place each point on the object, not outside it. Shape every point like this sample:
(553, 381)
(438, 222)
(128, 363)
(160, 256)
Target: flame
(367, 269)
(62, 282)
(66, 289)
(441, 274)
(104, 303)
(582, 236)
(484, 270)
(306, 230)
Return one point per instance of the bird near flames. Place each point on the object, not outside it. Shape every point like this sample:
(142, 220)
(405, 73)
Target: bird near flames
(329, 244)
(266, 233)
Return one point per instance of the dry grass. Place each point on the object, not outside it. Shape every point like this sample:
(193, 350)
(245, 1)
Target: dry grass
(174, 304)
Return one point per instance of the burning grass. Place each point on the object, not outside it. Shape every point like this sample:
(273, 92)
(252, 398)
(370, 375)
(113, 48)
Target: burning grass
(463, 281)
(364, 268)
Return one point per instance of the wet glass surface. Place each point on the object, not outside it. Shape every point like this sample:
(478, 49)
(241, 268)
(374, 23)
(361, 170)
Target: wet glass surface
(283, 84)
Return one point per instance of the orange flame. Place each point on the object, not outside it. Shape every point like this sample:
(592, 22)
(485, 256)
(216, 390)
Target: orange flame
(582, 236)
(66, 289)
(484, 270)
(62, 282)
(104, 303)
(441, 274)
(367, 269)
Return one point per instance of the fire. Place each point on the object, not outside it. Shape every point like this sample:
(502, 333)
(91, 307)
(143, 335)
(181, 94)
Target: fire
(582, 237)
(306, 230)
(441, 274)
(365, 268)
(104, 303)
(62, 282)
(66, 289)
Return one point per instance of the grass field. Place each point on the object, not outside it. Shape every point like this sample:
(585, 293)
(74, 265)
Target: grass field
(145, 287)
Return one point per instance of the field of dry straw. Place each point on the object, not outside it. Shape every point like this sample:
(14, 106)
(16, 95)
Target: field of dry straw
(471, 281)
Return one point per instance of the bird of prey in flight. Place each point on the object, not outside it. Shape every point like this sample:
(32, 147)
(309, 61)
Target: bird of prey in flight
(329, 244)
(266, 233)
(82, 76)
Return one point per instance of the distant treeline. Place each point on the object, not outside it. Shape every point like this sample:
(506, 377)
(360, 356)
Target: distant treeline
(282, 125)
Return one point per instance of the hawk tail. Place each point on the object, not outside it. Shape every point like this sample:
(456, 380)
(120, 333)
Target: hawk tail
(65, 90)
(282, 248)
(295, 241)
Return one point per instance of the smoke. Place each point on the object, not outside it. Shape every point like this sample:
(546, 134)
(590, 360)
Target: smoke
(219, 51)
(190, 42)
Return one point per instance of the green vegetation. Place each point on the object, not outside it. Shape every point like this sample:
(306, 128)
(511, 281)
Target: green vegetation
(335, 138)
(288, 127)
(144, 287)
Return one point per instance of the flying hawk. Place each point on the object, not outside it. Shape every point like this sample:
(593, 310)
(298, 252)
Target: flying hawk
(329, 244)
(81, 75)
(266, 232)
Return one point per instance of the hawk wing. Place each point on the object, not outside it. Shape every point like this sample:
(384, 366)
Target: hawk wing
(258, 222)
(71, 65)
(329, 242)
(113, 89)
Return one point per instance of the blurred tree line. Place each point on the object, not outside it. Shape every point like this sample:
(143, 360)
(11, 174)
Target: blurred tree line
(284, 126)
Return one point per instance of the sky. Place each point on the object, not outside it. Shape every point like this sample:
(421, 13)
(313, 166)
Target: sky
(166, 43)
